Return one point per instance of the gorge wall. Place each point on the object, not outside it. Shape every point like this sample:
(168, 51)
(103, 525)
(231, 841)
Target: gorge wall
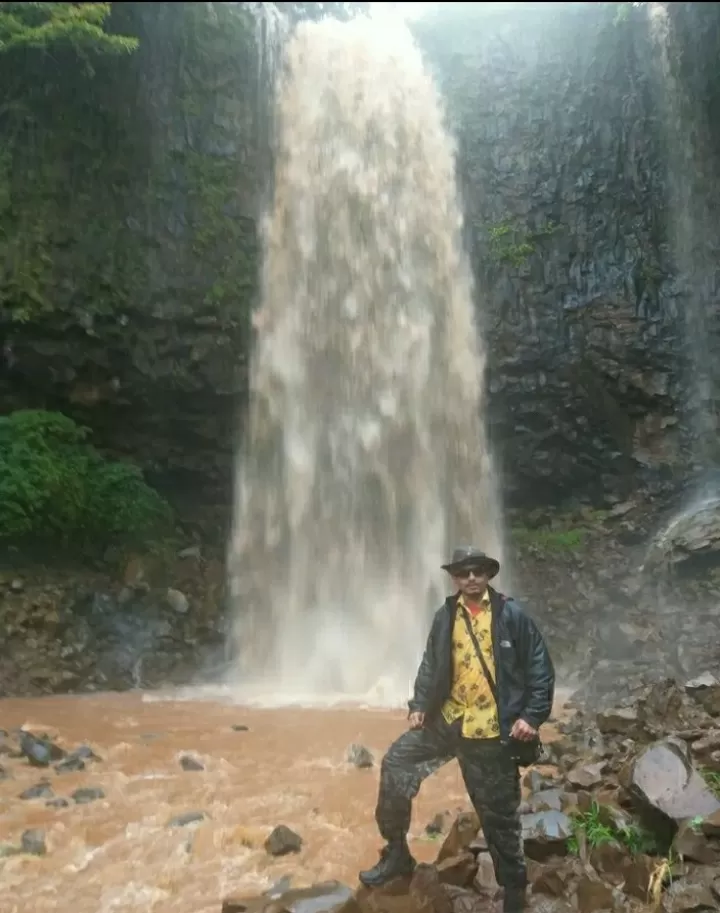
(130, 197)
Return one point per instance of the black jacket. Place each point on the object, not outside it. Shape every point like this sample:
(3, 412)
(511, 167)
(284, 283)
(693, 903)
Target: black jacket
(524, 673)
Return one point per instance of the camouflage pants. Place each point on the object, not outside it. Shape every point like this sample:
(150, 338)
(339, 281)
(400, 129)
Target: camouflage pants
(491, 779)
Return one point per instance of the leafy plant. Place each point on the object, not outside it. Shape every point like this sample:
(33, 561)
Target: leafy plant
(712, 778)
(551, 540)
(509, 244)
(55, 487)
(598, 828)
(40, 25)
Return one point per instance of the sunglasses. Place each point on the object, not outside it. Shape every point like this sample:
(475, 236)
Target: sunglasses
(465, 572)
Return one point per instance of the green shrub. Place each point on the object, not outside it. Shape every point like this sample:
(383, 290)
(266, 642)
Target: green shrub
(55, 487)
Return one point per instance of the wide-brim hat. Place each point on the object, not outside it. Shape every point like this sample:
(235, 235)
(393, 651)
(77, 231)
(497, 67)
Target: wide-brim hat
(468, 556)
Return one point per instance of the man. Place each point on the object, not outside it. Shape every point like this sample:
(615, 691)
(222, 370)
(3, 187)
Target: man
(484, 687)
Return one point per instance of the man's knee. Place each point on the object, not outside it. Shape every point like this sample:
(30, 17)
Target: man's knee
(401, 753)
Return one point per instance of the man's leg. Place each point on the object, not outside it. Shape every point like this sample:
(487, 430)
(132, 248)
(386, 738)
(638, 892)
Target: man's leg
(409, 760)
(492, 780)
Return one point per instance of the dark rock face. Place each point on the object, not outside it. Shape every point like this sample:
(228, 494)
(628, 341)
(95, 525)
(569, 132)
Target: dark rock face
(138, 322)
(138, 327)
(563, 168)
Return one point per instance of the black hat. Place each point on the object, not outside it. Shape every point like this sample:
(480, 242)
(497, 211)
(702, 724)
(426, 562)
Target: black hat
(467, 556)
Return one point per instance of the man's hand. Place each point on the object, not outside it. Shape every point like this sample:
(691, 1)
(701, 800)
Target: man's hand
(523, 731)
(416, 720)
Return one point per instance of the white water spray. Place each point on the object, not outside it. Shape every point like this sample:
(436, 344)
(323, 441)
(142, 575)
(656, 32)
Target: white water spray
(365, 459)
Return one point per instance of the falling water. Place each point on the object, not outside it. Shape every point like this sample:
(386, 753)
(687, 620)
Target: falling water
(365, 457)
(693, 237)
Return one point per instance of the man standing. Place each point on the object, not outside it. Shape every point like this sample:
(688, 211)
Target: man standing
(484, 687)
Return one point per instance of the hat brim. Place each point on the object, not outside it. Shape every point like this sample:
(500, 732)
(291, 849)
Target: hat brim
(491, 564)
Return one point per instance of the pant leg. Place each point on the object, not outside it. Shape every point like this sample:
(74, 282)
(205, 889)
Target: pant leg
(492, 780)
(409, 760)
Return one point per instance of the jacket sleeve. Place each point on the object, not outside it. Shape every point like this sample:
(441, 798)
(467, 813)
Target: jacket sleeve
(539, 673)
(422, 692)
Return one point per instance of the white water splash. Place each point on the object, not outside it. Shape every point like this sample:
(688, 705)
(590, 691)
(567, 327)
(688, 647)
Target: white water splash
(365, 459)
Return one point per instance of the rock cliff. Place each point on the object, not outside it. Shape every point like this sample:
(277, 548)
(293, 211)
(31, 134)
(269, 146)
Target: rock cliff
(129, 200)
(564, 163)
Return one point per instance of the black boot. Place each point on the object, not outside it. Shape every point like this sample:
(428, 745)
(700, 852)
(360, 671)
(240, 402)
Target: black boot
(395, 860)
(514, 900)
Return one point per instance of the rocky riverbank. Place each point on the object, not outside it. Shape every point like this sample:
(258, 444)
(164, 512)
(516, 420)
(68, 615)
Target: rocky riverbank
(625, 816)
(176, 806)
(141, 621)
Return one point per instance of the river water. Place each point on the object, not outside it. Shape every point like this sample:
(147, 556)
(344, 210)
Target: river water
(118, 853)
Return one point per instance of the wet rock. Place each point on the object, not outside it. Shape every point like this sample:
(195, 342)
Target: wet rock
(706, 747)
(544, 801)
(553, 878)
(661, 779)
(70, 764)
(438, 825)
(39, 750)
(710, 825)
(545, 834)
(485, 882)
(638, 872)
(692, 844)
(280, 887)
(186, 818)
(463, 900)
(240, 727)
(189, 763)
(534, 781)
(360, 756)
(593, 895)
(41, 790)
(192, 551)
(33, 842)
(585, 776)
(427, 893)
(85, 753)
(177, 601)
(705, 689)
(609, 859)
(320, 898)
(623, 721)
(458, 870)
(57, 803)
(688, 896)
(283, 840)
(87, 794)
(4, 774)
(460, 837)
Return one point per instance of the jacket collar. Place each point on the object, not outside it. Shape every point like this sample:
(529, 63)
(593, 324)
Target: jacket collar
(497, 602)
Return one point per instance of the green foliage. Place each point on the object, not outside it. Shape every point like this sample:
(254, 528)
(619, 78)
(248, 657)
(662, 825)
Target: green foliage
(549, 540)
(55, 487)
(599, 826)
(712, 778)
(41, 25)
(67, 161)
(512, 245)
(90, 202)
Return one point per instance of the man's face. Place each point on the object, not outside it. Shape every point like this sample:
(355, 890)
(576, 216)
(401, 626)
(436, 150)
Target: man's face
(472, 581)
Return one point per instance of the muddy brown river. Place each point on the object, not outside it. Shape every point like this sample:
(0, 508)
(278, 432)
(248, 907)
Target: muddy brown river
(118, 854)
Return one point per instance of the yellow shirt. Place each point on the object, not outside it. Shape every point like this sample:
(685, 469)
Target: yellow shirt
(470, 695)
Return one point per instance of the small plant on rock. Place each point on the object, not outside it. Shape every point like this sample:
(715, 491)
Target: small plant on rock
(595, 828)
(712, 778)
